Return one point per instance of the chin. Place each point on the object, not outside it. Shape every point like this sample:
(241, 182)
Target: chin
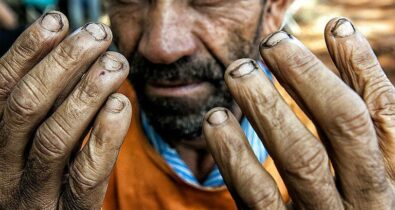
(182, 117)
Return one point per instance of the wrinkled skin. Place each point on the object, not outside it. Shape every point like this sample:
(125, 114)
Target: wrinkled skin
(356, 126)
(51, 92)
(173, 41)
(186, 42)
(46, 107)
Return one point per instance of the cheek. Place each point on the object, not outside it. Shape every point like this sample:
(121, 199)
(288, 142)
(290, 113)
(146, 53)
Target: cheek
(228, 35)
(127, 31)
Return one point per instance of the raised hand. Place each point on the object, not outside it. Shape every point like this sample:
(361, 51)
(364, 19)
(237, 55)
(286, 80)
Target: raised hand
(51, 88)
(355, 118)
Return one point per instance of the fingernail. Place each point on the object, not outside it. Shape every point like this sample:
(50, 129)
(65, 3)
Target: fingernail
(217, 117)
(275, 38)
(343, 28)
(52, 22)
(96, 30)
(111, 63)
(244, 69)
(114, 104)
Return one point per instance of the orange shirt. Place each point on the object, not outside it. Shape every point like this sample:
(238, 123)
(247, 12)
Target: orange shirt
(141, 178)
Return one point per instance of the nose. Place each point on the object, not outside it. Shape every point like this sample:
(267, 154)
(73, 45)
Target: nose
(168, 35)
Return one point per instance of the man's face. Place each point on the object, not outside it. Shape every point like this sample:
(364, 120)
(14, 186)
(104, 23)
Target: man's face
(179, 50)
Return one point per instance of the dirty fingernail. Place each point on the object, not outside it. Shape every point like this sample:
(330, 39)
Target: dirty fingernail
(275, 38)
(217, 117)
(52, 22)
(96, 30)
(343, 28)
(111, 63)
(114, 104)
(244, 68)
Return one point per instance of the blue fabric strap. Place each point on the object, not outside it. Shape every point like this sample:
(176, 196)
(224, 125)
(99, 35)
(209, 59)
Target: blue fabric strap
(173, 159)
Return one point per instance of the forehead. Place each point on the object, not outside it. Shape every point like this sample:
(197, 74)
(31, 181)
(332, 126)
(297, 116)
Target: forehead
(190, 3)
(212, 24)
(211, 9)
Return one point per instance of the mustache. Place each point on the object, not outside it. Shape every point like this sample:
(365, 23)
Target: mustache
(184, 69)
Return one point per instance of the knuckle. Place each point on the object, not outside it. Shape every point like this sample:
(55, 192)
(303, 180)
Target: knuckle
(5, 89)
(265, 199)
(83, 177)
(373, 174)
(229, 146)
(303, 63)
(34, 86)
(31, 44)
(72, 111)
(20, 55)
(305, 158)
(25, 50)
(75, 110)
(23, 105)
(384, 112)
(267, 99)
(87, 93)
(350, 119)
(67, 55)
(352, 124)
(104, 143)
(24, 102)
(380, 94)
(51, 141)
(364, 60)
(8, 76)
(261, 102)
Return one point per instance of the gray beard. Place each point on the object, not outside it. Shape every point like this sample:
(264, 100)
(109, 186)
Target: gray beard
(181, 121)
(176, 118)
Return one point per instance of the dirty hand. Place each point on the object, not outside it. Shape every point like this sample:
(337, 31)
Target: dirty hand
(355, 116)
(51, 88)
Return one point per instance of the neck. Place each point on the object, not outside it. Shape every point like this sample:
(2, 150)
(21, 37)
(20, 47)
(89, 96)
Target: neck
(197, 157)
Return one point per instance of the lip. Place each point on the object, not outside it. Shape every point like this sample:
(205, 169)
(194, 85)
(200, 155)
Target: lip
(176, 88)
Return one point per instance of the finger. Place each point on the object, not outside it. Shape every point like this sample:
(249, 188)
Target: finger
(60, 134)
(34, 95)
(300, 158)
(33, 44)
(339, 111)
(361, 70)
(89, 174)
(251, 186)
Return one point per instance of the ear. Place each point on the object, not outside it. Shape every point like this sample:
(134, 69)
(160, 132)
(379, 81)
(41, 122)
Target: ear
(274, 13)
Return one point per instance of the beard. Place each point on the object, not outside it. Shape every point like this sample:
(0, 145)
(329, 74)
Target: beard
(182, 117)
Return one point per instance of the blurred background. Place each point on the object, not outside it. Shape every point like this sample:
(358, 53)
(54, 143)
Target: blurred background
(376, 20)
(306, 20)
